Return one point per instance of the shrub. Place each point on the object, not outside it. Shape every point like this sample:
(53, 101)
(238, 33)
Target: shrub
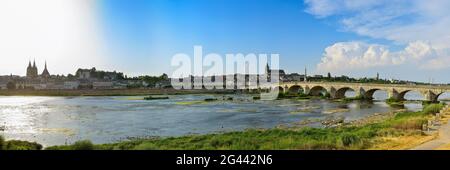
(301, 94)
(433, 108)
(281, 95)
(350, 139)
(2, 142)
(21, 145)
(409, 124)
(83, 145)
(391, 100)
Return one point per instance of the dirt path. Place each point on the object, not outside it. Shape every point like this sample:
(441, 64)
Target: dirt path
(443, 138)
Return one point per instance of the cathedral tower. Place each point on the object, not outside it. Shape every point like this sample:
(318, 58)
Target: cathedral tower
(32, 71)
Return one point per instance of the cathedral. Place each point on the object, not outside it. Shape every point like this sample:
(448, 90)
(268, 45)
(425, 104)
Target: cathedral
(32, 71)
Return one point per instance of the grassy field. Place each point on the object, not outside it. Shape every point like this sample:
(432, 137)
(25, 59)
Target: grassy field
(399, 131)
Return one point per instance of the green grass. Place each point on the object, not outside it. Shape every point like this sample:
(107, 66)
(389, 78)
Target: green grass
(433, 108)
(394, 102)
(18, 145)
(350, 99)
(79, 145)
(307, 138)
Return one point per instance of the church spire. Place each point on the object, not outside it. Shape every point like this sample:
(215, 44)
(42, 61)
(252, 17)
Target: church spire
(34, 63)
(45, 73)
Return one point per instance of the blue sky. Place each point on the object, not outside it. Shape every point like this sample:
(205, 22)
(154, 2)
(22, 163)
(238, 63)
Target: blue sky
(154, 31)
(144, 35)
(398, 38)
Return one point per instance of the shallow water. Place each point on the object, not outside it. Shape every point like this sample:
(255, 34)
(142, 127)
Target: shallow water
(60, 120)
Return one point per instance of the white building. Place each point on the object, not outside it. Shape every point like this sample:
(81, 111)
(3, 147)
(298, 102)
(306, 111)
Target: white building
(3, 86)
(71, 85)
(54, 86)
(102, 85)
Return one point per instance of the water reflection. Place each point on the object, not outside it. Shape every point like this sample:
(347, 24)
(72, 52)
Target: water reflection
(59, 120)
(380, 95)
(444, 97)
(413, 95)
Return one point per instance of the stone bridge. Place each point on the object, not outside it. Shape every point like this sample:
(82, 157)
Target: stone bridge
(365, 90)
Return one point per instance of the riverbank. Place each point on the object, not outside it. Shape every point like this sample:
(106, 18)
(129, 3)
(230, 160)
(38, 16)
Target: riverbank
(402, 130)
(392, 130)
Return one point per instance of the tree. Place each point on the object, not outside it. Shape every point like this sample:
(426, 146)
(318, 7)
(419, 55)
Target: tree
(11, 85)
(329, 75)
(164, 76)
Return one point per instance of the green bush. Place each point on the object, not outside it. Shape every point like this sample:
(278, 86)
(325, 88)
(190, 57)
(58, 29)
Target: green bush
(394, 102)
(301, 94)
(409, 124)
(391, 100)
(83, 145)
(2, 142)
(327, 95)
(281, 95)
(433, 108)
(21, 145)
(350, 139)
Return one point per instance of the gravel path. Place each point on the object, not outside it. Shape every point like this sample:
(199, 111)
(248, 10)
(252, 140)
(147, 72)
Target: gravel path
(442, 139)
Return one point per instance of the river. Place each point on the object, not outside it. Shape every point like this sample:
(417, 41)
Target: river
(64, 120)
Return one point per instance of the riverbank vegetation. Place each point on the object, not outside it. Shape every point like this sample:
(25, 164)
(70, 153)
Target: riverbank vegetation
(394, 102)
(18, 145)
(399, 131)
(301, 96)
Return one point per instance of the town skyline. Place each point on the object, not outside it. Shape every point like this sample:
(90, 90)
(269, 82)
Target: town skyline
(33, 72)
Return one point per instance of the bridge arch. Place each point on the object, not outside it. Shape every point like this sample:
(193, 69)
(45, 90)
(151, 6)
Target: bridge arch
(369, 93)
(403, 94)
(444, 96)
(340, 93)
(318, 91)
(295, 89)
(376, 94)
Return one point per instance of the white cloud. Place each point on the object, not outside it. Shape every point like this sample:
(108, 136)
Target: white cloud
(422, 26)
(402, 21)
(345, 56)
(63, 32)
